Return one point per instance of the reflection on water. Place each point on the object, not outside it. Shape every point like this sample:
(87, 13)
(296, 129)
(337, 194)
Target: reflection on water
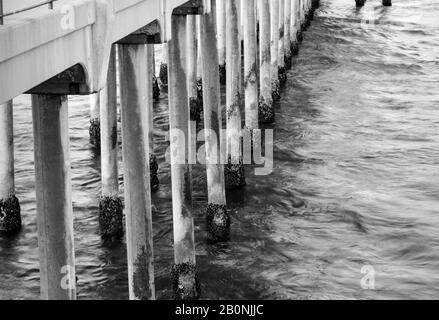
(355, 180)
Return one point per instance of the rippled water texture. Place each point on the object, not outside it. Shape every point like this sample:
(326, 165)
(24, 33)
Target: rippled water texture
(356, 140)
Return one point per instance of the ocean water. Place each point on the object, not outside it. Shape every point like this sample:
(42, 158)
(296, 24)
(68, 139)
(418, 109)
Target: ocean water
(355, 185)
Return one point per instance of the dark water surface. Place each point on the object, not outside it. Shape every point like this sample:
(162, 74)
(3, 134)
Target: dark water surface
(356, 139)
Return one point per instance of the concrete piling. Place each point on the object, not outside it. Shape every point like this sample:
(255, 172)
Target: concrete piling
(281, 52)
(274, 21)
(153, 164)
(95, 125)
(294, 28)
(184, 273)
(387, 3)
(217, 217)
(199, 66)
(250, 66)
(110, 204)
(266, 110)
(287, 36)
(134, 89)
(163, 72)
(53, 195)
(10, 217)
(221, 35)
(192, 54)
(155, 82)
(234, 171)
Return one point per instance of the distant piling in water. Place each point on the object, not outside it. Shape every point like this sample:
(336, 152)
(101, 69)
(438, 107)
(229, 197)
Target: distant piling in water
(10, 215)
(110, 204)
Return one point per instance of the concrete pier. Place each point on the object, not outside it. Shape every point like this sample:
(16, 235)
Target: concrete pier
(266, 110)
(217, 217)
(274, 21)
(294, 28)
(192, 55)
(184, 273)
(153, 164)
(53, 195)
(281, 53)
(110, 204)
(155, 82)
(234, 171)
(135, 146)
(10, 217)
(250, 66)
(287, 37)
(95, 125)
(163, 72)
(221, 35)
(387, 3)
(199, 66)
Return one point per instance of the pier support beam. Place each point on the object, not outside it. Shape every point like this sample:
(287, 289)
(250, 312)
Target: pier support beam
(293, 28)
(155, 83)
(266, 110)
(163, 73)
(287, 36)
(234, 171)
(274, 20)
(192, 54)
(217, 217)
(135, 146)
(221, 32)
(281, 52)
(153, 164)
(185, 278)
(95, 124)
(10, 218)
(250, 66)
(53, 195)
(110, 204)
(387, 3)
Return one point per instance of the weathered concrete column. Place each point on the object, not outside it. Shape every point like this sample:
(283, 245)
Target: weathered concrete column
(163, 73)
(10, 218)
(266, 110)
(192, 54)
(153, 164)
(287, 36)
(184, 273)
(135, 145)
(53, 195)
(155, 83)
(281, 51)
(218, 219)
(299, 21)
(387, 3)
(294, 28)
(360, 3)
(234, 171)
(250, 66)
(95, 125)
(274, 21)
(199, 65)
(110, 204)
(221, 35)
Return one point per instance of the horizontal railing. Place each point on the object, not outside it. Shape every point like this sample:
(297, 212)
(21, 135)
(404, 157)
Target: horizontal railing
(11, 13)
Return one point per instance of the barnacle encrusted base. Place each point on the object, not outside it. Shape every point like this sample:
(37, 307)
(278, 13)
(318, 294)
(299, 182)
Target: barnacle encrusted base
(10, 218)
(217, 223)
(185, 282)
(111, 217)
